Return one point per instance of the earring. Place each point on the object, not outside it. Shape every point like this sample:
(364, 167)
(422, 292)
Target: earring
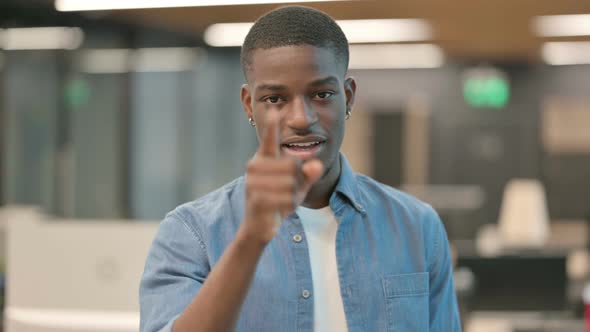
(251, 121)
(348, 111)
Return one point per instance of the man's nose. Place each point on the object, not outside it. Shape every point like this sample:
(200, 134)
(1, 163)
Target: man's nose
(301, 115)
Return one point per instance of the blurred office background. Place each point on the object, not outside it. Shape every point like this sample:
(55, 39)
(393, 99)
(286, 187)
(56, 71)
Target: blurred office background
(480, 108)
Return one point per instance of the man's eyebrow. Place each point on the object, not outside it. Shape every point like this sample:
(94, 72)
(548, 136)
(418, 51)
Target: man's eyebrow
(324, 81)
(271, 87)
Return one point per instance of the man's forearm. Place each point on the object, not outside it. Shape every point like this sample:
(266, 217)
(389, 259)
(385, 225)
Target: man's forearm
(216, 306)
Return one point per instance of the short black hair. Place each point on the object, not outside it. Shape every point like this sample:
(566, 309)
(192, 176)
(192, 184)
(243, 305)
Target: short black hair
(294, 26)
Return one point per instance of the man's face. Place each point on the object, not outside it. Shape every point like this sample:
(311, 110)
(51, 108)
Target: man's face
(306, 85)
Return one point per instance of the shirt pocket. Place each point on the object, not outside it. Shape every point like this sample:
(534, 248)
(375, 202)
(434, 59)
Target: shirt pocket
(406, 297)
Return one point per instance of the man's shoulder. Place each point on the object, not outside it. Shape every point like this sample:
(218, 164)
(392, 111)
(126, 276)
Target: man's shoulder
(383, 194)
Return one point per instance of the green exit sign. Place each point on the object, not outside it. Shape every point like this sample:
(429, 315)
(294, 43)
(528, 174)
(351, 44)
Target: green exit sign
(486, 88)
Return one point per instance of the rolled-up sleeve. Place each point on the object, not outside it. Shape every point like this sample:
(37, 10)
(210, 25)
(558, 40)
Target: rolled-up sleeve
(444, 313)
(175, 270)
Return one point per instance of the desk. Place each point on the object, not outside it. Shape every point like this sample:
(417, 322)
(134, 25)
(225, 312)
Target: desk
(518, 280)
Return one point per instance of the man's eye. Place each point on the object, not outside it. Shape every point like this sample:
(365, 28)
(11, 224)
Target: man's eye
(272, 99)
(324, 94)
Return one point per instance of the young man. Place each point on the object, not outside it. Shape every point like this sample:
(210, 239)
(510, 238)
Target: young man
(300, 243)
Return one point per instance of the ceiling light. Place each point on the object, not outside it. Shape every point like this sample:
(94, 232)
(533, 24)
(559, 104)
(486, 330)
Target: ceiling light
(86, 5)
(566, 53)
(395, 56)
(385, 30)
(226, 34)
(356, 31)
(562, 25)
(41, 38)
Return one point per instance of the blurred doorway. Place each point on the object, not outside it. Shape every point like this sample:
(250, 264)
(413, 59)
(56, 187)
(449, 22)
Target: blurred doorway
(401, 146)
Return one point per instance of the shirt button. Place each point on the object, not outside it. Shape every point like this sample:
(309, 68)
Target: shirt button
(305, 294)
(297, 238)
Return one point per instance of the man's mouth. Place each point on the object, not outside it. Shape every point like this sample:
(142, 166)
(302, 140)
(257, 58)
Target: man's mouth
(302, 146)
(303, 150)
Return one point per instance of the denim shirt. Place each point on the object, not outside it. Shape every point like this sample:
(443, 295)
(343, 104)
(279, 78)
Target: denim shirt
(392, 252)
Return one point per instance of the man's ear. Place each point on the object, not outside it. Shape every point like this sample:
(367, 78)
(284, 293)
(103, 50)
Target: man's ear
(350, 90)
(246, 98)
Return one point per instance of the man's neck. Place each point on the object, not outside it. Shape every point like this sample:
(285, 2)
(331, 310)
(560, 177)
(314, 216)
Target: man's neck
(320, 193)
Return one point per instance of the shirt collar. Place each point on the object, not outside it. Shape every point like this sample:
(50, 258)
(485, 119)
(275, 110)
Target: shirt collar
(347, 185)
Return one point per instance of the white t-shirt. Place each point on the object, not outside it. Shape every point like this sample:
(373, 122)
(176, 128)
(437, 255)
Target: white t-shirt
(320, 228)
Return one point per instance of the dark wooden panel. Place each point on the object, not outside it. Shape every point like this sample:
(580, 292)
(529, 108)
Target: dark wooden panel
(388, 147)
(567, 181)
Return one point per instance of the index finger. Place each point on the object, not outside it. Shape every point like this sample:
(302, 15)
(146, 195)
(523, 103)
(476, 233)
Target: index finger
(269, 144)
